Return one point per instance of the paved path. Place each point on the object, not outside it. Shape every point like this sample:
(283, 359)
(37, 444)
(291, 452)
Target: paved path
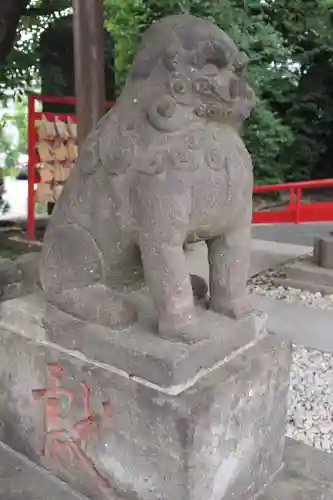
(301, 324)
(296, 234)
(265, 255)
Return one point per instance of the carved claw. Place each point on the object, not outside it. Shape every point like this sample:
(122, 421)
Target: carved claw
(192, 332)
(235, 309)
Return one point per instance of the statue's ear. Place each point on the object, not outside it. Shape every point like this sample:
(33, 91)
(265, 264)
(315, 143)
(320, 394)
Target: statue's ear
(174, 55)
(144, 63)
(240, 64)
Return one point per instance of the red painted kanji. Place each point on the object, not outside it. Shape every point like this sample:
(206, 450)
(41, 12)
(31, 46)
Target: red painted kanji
(64, 439)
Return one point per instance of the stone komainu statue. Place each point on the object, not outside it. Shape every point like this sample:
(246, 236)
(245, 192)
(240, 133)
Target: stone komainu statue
(165, 162)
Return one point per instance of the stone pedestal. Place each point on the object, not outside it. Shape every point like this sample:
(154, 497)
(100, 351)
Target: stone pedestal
(314, 273)
(323, 251)
(209, 432)
(307, 475)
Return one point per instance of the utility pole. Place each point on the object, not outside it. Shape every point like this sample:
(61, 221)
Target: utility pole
(89, 64)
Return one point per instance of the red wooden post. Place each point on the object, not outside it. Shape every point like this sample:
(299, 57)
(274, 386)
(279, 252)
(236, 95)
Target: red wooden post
(298, 205)
(31, 167)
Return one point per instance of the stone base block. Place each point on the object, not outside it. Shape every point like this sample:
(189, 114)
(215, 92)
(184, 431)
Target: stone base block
(323, 251)
(307, 475)
(21, 479)
(19, 277)
(137, 350)
(219, 435)
(306, 275)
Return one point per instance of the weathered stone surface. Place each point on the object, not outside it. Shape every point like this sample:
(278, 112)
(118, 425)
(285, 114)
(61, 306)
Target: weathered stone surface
(19, 277)
(307, 270)
(9, 272)
(307, 275)
(28, 264)
(310, 286)
(166, 161)
(307, 475)
(323, 251)
(138, 350)
(220, 437)
(21, 479)
(10, 280)
(25, 315)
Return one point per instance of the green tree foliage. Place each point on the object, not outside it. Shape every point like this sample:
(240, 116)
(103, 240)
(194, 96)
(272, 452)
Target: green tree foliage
(307, 29)
(20, 71)
(290, 43)
(14, 119)
(266, 133)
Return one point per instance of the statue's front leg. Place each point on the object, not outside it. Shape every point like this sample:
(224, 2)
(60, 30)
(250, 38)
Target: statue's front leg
(169, 283)
(162, 210)
(229, 261)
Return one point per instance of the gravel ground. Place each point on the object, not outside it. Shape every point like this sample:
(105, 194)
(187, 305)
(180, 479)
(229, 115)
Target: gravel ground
(263, 284)
(310, 405)
(310, 409)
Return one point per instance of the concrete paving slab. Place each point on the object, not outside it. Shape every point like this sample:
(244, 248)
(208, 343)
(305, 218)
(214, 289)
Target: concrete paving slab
(301, 324)
(307, 275)
(265, 255)
(300, 234)
(307, 270)
(307, 475)
(304, 285)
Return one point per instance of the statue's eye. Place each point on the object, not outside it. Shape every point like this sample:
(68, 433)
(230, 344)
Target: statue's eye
(166, 108)
(179, 87)
(203, 86)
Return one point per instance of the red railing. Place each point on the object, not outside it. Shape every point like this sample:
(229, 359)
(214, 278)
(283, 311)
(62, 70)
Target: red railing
(296, 211)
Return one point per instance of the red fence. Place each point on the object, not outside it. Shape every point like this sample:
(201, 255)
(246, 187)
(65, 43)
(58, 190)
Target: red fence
(296, 211)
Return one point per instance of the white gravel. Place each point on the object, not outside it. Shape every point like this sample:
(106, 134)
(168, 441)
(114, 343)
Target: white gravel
(264, 285)
(310, 404)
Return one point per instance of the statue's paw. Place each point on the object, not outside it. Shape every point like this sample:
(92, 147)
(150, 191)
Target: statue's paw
(235, 309)
(187, 332)
(118, 314)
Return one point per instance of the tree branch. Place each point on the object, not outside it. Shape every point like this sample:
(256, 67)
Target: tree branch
(10, 15)
(39, 11)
